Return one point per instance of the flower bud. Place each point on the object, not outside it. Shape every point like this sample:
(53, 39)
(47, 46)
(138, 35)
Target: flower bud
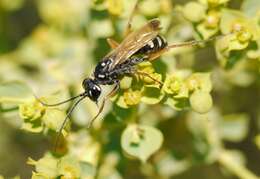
(212, 20)
(172, 85)
(201, 101)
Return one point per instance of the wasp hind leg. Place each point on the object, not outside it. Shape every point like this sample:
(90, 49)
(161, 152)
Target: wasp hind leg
(196, 42)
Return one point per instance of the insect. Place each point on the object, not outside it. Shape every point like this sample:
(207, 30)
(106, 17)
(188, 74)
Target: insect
(145, 44)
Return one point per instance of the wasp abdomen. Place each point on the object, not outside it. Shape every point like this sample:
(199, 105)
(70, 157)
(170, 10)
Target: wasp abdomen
(153, 46)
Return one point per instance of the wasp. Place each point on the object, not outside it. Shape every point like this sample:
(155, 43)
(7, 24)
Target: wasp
(144, 44)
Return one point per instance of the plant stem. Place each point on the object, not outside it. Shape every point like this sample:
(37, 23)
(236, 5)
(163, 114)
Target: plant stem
(226, 160)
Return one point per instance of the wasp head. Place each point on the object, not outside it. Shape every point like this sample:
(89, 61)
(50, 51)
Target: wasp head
(92, 89)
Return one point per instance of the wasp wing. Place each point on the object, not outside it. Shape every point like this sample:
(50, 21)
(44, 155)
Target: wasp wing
(133, 42)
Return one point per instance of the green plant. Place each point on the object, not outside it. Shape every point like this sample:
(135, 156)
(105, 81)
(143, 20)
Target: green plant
(147, 131)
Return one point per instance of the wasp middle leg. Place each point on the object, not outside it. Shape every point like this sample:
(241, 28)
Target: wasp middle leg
(141, 73)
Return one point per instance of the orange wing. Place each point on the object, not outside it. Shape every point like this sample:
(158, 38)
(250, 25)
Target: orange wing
(133, 42)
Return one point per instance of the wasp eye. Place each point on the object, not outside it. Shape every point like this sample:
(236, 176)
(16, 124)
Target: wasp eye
(94, 92)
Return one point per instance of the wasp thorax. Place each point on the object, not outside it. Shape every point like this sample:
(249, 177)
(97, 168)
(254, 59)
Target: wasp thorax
(92, 89)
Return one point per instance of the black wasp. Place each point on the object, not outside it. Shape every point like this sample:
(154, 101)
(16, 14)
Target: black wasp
(145, 44)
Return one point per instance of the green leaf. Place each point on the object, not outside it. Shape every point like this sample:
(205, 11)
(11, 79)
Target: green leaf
(177, 103)
(15, 92)
(53, 118)
(201, 101)
(120, 114)
(194, 11)
(69, 167)
(229, 17)
(170, 165)
(234, 127)
(141, 141)
(126, 82)
(234, 57)
(151, 95)
(205, 31)
(34, 127)
(257, 141)
(46, 166)
(121, 102)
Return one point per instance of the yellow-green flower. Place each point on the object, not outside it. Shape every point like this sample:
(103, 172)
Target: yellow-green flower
(199, 81)
(212, 19)
(244, 36)
(31, 111)
(213, 3)
(192, 83)
(132, 97)
(115, 7)
(68, 167)
(172, 84)
(146, 67)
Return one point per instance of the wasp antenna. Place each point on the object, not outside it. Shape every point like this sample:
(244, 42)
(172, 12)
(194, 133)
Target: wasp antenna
(59, 103)
(65, 121)
(197, 42)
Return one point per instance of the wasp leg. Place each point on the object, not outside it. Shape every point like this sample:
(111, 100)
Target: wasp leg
(128, 26)
(191, 43)
(149, 76)
(112, 43)
(157, 54)
(110, 94)
(196, 42)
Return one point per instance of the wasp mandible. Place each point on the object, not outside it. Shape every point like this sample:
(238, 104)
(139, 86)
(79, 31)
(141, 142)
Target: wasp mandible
(144, 44)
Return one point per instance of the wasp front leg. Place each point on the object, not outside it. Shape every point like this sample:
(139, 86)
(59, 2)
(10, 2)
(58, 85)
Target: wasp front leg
(110, 94)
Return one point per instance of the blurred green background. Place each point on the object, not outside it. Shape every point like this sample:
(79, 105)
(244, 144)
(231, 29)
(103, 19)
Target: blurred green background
(203, 123)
